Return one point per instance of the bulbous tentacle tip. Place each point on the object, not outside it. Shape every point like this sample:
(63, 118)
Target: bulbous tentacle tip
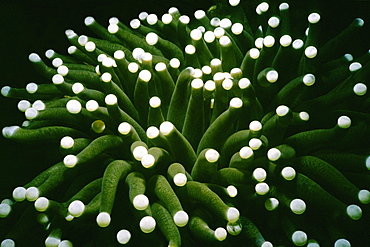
(103, 219)
(8, 132)
(8, 243)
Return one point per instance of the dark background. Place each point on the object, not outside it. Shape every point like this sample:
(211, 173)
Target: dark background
(38, 25)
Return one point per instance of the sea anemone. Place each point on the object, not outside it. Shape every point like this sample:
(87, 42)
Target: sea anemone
(235, 128)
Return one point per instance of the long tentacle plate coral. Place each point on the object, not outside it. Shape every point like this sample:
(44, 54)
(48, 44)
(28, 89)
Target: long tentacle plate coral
(237, 127)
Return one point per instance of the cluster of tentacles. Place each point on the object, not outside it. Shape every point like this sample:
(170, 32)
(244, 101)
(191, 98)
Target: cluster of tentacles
(219, 131)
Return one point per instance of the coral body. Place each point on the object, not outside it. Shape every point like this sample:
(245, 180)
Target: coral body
(221, 131)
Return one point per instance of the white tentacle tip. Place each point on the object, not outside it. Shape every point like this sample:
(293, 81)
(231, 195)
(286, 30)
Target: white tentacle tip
(8, 243)
(76, 208)
(354, 212)
(232, 214)
(141, 202)
(181, 218)
(123, 236)
(103, 219)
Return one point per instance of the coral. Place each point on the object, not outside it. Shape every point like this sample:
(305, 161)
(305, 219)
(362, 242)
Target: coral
(239, 127)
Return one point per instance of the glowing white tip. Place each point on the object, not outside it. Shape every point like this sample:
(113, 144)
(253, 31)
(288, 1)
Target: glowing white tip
(140, 202)
(364, 196)
(8, 243)
(19, 194)
(63, 70)
(135, 23)
(31, 113)
(76, 208)
(298, 206)
(181, 218)
(259, 174)
(31, 87)
(234, 2)
(155, 102)
(139, 152)
(367, 162)
(225, 23)
(160, 67)
(272, 76)
(298, 44)
(145, 75)
(232, 191)
(286, 40)
(23, 105)
(266, 244)
(209, 36)
(70, 160)
(103, 219)
(282, 110)
(236, 103)
(57, 62)
(166, 127)
(65, 243)
(299, 238)
(74, 106)
(152, 19)
(269, 41)
(57, 79)
(344, 122)
(220, 234)
(175, 63)
(354, 212)
(147, 224)
(123, 236)
(314, 18)
(190, 49)
(32, 193)
(52, 242)
(244, 83)
(288, 173)
(232, 214)
(89, 20)
(342, 243)
(111, 99)
(42, 204)
(67, 142)
(224, 41)
(313, 243)
(92, 105)
(5, 210)
(167, 18)
(273, 154)
(255, 143)
(310, 52)
(151, 38)
(262, 188)
(39, 105)
(355, 66)
(124, 128)
(180, 179)
(33, 57)
(147, 161)
(271, 204)
(5, 90)
(152, 132)
(106, 77)
(274, 22)
(360, 89)
(9, 131)
(304, 116)
(143, 15)
(113, 28)
(212, 155)
(309, 79)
